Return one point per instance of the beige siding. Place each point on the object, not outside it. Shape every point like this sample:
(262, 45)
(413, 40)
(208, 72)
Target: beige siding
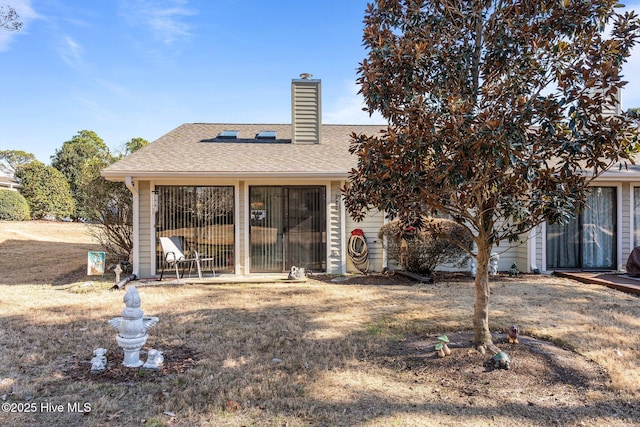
(241, 226)
(521, 257)
(306, 111)
(370, 225)
(624, 230)
(633, 226)
(334, 242)
(146, 233)
(539, 246)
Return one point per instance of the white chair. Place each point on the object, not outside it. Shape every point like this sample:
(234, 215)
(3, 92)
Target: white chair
(174, 256)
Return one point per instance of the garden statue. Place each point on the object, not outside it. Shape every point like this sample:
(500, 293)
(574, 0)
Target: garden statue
(132, 328)
(513, 271)
(501, 360)
(99, 361)
(154, 359)
(493, 264)
(117, 270)
(296, 273)
(442, 349)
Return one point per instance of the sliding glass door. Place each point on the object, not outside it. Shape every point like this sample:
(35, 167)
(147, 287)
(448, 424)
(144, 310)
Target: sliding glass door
(287, 228)
(587, 241)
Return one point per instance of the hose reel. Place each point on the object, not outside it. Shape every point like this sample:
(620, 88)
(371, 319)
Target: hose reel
(358, 251)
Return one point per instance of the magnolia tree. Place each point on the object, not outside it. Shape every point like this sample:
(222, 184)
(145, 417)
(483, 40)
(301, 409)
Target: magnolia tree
(496, 115)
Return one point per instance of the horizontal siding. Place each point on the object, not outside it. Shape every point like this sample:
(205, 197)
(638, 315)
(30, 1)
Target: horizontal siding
(146, 237)
(625, 228)
(241, 255)
(334, 264)
(370, 226)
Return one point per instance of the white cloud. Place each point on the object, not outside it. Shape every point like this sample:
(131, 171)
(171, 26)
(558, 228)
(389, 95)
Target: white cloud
(164, 18)
(71, 52)
(26, 15)
(347, 109)
(113, 88)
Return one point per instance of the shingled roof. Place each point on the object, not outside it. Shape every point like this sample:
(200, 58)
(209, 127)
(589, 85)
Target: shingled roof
(194, 150)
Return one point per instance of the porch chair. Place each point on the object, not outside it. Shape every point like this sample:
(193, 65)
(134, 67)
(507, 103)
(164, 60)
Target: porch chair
(174, 256)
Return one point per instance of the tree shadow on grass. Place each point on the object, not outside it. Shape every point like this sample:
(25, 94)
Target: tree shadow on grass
(28, 262)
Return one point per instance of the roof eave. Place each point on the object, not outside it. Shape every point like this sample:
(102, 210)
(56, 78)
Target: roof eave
(149, 175)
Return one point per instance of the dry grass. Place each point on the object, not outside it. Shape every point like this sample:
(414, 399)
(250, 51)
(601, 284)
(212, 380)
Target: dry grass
(349, 354)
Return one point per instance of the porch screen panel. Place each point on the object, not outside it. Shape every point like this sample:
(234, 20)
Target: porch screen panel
(203, 218)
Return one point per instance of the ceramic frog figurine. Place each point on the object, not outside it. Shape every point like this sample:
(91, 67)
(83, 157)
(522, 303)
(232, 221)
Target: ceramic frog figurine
(501, 360)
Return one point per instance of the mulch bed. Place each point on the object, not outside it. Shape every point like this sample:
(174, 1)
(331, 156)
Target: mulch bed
(177, 360)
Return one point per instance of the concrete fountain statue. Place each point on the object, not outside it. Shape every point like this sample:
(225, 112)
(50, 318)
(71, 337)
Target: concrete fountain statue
(132, 327)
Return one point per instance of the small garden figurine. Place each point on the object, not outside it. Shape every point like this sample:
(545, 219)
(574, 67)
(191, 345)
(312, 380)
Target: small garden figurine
(99, 362)
(493, 264)
(441, 347)
(513, 271)
(512, 335)
(501, 360)
(154, 359)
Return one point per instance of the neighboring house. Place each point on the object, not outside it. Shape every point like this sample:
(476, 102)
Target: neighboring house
(261, 198)
(9, 183)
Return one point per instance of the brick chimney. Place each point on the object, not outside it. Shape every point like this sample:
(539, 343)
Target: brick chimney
(306, 110)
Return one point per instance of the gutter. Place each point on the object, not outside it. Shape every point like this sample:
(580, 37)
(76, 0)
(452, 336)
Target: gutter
(142, 175)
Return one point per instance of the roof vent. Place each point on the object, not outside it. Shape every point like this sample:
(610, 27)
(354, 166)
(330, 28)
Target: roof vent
(228, 134)
(266, 134)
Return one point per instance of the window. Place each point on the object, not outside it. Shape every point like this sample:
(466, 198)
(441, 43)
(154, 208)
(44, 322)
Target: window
(587, 241)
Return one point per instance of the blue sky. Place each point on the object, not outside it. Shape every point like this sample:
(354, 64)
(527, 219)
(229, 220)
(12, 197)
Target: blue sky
(140, 68)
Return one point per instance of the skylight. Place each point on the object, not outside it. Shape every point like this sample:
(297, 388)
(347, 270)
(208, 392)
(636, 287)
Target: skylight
(228, 134)
(266, 134)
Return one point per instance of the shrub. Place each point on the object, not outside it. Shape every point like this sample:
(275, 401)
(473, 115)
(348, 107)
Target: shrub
(440, 241)
(46, 191)
(13, 206)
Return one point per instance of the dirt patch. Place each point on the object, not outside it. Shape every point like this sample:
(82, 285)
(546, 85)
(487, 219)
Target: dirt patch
(544, 385)
(535, 364)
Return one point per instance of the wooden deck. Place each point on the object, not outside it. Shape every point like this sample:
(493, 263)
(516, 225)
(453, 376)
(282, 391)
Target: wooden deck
(621, 282)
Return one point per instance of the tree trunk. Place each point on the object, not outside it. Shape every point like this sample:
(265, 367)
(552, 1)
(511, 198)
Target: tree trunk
(482, 335)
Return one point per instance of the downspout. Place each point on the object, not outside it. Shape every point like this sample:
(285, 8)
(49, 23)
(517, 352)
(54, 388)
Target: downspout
(136, 224)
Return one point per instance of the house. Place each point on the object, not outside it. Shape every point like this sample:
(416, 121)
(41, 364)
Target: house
(9, 183)
(258, 198)
(261, 198)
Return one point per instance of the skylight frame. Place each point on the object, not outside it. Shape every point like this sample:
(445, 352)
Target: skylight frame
(228, 134)
(266, 134)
